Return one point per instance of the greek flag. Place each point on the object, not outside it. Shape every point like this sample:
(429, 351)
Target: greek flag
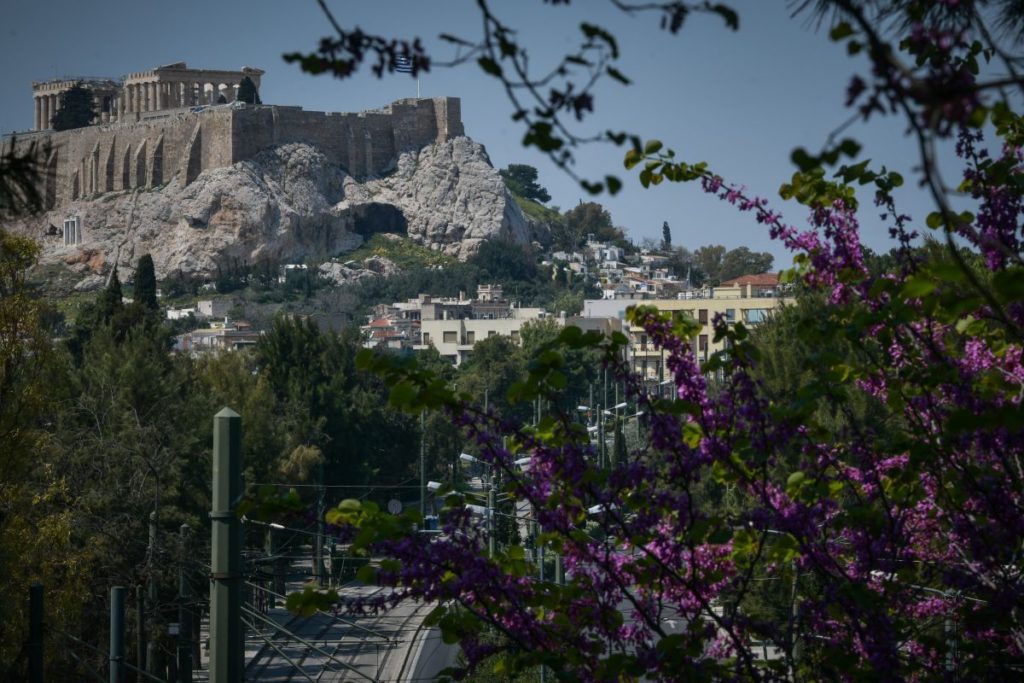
(403, 64)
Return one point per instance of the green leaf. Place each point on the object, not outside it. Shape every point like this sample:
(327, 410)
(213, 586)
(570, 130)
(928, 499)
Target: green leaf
(618, 75)
(652, 147)
(402, 394)
(732, 19)
(840, 31)
(489, 66)
(592, 31)
(692, 434)
(934, 220)
(613, 183)
(918, 286)
(1009, 283)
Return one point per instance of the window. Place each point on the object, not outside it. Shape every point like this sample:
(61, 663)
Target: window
(515, 336)
(702, 316)
(756, 315)
(450, 337)
(491, 333)
(730, 315)
(426, 338)
(703, 343)
(471, 337)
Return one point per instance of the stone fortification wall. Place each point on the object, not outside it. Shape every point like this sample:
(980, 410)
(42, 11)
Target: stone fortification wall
(177, 145)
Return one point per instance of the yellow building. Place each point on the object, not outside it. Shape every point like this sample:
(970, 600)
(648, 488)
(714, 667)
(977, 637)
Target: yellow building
(738, 302)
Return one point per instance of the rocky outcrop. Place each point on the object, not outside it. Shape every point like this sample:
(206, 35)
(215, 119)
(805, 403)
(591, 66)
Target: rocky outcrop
(290, 205)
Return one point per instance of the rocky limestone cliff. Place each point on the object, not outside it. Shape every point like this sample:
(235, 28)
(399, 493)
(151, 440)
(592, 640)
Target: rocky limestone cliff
(291, 205)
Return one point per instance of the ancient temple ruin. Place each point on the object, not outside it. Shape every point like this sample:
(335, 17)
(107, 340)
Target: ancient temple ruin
(168, 87)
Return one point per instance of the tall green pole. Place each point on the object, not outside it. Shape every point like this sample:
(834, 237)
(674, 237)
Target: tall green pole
(227, 647)
(184, 614)
(117, 634)
(35, 633)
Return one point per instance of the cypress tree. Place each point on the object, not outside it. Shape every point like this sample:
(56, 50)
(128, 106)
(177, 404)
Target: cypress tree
(110, 301)
(145, 283)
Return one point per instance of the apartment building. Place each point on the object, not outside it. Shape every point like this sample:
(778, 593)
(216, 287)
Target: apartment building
(750, 302)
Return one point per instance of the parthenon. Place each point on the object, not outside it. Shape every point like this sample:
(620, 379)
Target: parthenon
(172, 86)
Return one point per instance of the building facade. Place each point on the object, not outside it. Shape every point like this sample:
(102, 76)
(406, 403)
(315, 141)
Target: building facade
(734, 304)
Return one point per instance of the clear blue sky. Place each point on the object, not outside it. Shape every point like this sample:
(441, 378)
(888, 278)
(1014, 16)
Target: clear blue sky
(738, 100)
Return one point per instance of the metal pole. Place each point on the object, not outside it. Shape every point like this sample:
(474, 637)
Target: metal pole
(184, 614)
(423, 465)
(150, 661)
(140, 632)
(793, 616)
(604, 396)
(35, 633)
(227, 646)
(117, 634)
(490, 519)
(321, 510)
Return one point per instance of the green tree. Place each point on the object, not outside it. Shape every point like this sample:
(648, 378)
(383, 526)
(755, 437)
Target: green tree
(247, 91)
(522, 180)
(584, 219)
(666, 236)
(743, 261)
(110, 301)
(34, 526)
(76, 108)
(709, 259)
(491, 369)
(145, 283)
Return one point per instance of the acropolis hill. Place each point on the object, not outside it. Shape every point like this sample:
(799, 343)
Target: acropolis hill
(256, 180)
(164, 130)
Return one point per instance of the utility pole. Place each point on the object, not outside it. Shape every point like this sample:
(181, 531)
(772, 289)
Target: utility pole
(227, 645)
(320, 528)
(490, 519)
(604, 395)
(423, 465)
(117, 634)
(151, 598)
(35, 633)
(184, 614)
